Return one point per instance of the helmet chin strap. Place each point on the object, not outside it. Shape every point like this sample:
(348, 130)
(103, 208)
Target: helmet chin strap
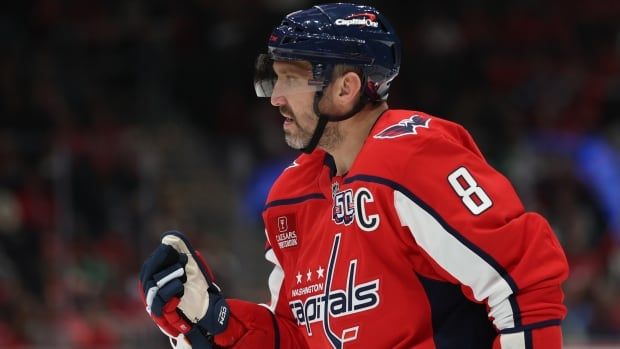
(324, 118)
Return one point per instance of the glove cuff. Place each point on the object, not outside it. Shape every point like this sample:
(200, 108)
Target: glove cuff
(216, 319)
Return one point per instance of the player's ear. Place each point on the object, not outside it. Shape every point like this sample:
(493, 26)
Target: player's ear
(349, 87)
(343, 92)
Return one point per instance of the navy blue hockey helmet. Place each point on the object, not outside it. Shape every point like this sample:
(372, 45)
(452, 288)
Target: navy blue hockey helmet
(331, 34)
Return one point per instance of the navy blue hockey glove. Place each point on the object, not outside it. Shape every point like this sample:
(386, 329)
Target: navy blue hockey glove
(180, 295)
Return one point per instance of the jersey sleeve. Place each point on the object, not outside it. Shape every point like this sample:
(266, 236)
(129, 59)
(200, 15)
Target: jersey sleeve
(473, 230)
(254, 325)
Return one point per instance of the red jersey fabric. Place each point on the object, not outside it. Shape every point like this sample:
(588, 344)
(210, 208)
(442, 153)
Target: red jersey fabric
(422, 244)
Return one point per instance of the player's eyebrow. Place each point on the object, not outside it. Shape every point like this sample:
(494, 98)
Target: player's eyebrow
(293, 67)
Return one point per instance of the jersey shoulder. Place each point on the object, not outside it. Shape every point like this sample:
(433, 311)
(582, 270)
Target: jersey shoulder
(299, 178)
(439, 163)
(401, 137)
(407, 128)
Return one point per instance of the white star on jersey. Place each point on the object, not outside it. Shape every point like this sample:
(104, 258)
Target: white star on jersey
(298, 276)
(320, 272)
(308, 275)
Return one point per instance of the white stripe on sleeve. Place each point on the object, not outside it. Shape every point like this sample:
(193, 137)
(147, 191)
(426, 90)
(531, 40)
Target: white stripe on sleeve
(276, 278)
(458, 260)
(512, 340)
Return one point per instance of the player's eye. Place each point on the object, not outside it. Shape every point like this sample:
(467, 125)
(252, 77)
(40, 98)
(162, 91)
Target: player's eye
(291, 80)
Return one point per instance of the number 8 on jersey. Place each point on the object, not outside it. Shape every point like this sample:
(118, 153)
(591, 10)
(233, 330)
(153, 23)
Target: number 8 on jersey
(465, 186)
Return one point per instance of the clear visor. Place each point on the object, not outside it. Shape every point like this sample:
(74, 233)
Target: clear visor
(268, 84)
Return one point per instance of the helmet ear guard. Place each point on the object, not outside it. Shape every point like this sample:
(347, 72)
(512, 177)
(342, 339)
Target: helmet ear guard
(378, 81)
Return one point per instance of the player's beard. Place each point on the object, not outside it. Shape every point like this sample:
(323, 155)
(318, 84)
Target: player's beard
(301, 139)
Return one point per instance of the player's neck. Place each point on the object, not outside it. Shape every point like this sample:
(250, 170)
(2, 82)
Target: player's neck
(355, 130)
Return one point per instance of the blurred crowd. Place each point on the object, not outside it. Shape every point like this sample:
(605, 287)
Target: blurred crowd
(120, 119)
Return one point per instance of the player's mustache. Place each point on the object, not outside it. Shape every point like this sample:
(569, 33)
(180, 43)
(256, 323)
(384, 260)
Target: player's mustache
(284, 110)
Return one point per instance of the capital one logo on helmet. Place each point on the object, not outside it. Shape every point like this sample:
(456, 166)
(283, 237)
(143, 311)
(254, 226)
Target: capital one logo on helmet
(364, 19)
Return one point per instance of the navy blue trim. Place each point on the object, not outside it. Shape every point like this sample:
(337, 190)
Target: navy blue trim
(482, 254)
(331, 336)
(276, 330)
(514, 305)
(527, 336)
(328, 161)
(457, 322)
(548, 323)
(292, 201)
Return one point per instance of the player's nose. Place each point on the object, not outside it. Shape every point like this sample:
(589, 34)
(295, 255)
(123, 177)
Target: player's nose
(277, 100)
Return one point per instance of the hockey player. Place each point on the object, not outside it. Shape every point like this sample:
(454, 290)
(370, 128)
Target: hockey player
(391, 230)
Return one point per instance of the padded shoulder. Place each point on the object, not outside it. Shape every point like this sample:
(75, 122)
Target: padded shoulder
(401, 136)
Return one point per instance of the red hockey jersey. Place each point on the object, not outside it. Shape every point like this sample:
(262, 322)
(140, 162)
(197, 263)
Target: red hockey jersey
(422, 244)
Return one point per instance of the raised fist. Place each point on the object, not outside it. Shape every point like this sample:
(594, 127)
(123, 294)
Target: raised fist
(180, 295)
